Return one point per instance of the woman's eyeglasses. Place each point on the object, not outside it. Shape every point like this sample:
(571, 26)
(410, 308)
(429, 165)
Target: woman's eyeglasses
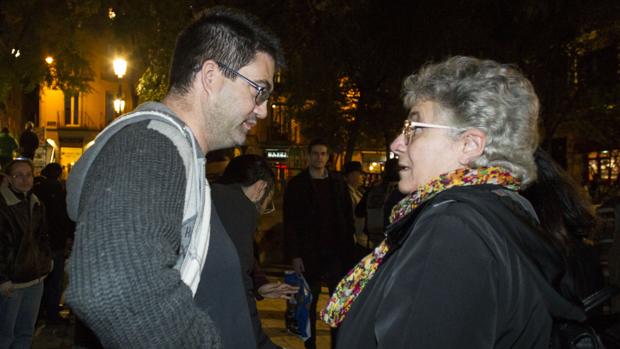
(410, 129)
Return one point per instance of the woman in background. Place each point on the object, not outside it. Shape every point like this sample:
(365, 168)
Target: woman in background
(241, 195)
(567, 214)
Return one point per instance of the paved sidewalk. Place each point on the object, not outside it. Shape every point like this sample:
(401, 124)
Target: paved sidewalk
(271, 312)
(272, 318)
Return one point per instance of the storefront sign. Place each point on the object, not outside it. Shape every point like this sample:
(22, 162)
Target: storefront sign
(276, 154)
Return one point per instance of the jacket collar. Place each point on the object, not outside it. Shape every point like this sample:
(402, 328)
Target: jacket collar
(11, 199)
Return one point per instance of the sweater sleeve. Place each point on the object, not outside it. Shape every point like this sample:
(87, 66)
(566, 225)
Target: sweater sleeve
(444, 292)
(123, 284)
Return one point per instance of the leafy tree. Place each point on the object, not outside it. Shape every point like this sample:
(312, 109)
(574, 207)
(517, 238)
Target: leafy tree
(32, 29)
(148, 29)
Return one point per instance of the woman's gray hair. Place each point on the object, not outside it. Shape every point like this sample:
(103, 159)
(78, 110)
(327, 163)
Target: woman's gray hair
(483, 94)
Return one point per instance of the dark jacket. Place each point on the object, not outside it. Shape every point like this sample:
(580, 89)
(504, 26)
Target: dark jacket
(24, 246)
(301, 220)
(240, 218)
(28, 142)
(60, 228)
(454, 281)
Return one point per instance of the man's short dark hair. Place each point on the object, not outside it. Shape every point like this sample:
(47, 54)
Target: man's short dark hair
(224, 35)
(317, 141)
(8, 169)
(52, 170)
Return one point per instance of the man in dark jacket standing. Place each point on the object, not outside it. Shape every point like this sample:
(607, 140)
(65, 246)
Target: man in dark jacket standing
(318, 223)
(60, 229)
(28, 141)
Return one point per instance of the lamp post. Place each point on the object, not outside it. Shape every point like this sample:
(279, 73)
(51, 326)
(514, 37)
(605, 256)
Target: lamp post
(120, 68)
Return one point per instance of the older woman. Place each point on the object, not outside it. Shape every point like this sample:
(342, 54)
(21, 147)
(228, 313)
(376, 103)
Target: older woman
(447, 275)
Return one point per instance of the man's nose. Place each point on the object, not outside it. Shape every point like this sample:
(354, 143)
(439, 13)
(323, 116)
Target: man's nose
(261, 110)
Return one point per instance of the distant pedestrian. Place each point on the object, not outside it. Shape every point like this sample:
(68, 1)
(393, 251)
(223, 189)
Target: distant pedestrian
(24, 255)
(353, 177)
(60, 230)
(376, 204)
(8, 146)
(28, 141)
(319, 229)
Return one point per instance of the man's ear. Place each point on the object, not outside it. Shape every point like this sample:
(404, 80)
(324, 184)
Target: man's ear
(472, 143)
(210, 76)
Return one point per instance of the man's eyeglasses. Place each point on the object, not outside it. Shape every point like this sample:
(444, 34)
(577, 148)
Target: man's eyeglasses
(262, 93)
(21, 176)
(271, 207)
(410, 129)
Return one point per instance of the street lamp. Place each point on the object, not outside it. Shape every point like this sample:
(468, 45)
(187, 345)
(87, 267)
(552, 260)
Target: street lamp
(119, 105)
(120, 68)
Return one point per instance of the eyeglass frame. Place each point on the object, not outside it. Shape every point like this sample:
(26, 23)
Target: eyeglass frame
(261, 91)
(22, 176)
(271, 208)
(409, 129)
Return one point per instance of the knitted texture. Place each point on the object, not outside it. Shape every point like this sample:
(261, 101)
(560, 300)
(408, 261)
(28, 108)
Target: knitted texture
(122, 282)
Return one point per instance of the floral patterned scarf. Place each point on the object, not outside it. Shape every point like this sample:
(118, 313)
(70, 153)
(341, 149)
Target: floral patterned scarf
(354, 282)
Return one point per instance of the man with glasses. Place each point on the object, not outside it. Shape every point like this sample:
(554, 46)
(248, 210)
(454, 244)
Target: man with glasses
(318, 226)
(25, 258)
(152, 265)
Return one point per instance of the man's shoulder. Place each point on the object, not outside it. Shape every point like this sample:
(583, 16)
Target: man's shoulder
(299, 178)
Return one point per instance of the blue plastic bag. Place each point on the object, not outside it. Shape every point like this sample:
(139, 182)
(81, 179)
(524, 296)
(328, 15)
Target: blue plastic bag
(297, 316)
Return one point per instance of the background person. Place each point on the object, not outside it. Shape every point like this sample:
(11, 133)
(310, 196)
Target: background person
(24, 255)
(570, 220)
(8, 146)
(60, 231)
(447, 275)
(318, 226)
(376, 204)
(28, 141)
(353, 176)
(243, 192)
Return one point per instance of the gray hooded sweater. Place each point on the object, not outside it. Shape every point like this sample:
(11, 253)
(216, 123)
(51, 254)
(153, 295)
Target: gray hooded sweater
(123, 283)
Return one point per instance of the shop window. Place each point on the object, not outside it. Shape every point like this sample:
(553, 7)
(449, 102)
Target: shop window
(603, 166)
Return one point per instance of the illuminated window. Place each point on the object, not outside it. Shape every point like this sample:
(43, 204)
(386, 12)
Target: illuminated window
(72, 110)
(603, 166)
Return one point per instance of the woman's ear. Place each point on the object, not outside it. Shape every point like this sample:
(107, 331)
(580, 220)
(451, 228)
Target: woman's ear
(472, 144)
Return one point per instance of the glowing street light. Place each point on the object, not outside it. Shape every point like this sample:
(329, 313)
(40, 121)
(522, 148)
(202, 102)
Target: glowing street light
(120, 67)
(119, 105)
(49, 59)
